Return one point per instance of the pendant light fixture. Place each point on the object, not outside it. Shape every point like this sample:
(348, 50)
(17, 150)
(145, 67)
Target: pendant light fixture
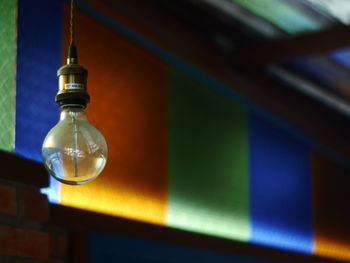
(74, 151)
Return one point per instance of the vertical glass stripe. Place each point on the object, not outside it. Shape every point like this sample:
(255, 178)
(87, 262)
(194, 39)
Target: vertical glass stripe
(8, 31)
(128, 88)
(280, 186)
(208, 183)
(331, 208)
(39, 56)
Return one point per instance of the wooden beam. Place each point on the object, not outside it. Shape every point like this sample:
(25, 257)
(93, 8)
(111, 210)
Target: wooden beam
(22, 170)
(276, 51)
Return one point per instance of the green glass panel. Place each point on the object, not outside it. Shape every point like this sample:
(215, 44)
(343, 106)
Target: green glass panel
(8, 32)
(208, 163)
(281, 14)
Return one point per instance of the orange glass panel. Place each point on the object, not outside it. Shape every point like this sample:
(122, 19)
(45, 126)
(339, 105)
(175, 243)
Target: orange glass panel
(332, 248)
(331, 208)
(127, 86)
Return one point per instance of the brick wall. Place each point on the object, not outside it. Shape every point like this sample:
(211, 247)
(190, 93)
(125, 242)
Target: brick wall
(24, 212)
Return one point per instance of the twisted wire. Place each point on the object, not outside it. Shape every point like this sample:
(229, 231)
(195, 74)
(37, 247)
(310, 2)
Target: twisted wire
(72, 25)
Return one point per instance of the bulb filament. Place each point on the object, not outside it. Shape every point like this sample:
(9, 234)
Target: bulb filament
(75, 135)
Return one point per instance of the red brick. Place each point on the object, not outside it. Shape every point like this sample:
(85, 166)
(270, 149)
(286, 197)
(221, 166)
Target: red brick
(8, 203)
(24, 243)
(33, 244)
(35, 206)
(8, 241)
(58, 245)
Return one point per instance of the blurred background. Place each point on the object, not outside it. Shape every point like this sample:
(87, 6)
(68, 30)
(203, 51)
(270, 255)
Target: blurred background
(227, 125)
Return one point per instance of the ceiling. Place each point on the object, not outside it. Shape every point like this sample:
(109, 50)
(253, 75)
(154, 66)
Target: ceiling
(289, 56)
(322, 73)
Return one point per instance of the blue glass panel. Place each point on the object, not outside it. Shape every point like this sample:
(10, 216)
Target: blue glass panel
(330, 76)
(342, 56)
(313, 67)
(109, 248)
(40, 25)
(280, 186)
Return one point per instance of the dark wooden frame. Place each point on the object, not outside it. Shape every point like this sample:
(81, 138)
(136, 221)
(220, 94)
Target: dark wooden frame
(80, 224)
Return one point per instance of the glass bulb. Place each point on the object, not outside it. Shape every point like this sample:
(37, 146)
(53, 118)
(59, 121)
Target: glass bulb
(74, 151)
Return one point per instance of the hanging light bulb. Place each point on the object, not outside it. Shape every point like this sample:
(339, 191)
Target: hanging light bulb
(74, 151)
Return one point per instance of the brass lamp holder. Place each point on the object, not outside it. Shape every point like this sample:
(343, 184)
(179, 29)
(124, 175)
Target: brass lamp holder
(72, 91)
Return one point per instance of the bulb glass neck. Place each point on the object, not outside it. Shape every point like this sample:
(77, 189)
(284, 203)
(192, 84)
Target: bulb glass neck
(73, 113)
